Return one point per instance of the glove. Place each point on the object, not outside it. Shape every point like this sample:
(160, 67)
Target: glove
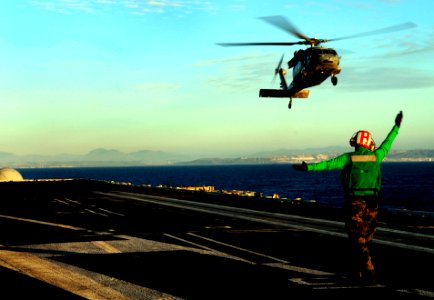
(300, 167)
(398, 119)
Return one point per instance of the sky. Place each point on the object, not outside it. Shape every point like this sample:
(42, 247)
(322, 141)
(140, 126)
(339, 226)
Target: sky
(131, 75)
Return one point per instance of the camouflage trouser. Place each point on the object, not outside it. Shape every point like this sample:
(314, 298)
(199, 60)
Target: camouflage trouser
(360, 224)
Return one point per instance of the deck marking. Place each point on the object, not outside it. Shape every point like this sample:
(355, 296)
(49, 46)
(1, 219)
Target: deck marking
(41, 222)
(239, 248)
(106, 247)
(94, 212)
(111, 212)
(417, 292)
(188, 242)
(300, 269)
(214, 251)
(282, 264)
(56, 275)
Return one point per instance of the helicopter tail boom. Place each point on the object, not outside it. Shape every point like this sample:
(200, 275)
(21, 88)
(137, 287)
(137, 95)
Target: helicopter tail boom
(271, 93)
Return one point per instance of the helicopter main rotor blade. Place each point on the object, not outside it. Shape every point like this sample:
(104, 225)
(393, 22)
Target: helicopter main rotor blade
(285, 25)
(263, 44)
(398, 27)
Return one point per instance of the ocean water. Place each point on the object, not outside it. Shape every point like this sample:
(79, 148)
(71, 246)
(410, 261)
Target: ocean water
(405, 185)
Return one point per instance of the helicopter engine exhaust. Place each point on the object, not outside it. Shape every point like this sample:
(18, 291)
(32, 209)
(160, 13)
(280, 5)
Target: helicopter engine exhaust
(301, 94)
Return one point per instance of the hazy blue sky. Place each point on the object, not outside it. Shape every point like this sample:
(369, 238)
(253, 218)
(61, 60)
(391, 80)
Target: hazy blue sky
(131, 75)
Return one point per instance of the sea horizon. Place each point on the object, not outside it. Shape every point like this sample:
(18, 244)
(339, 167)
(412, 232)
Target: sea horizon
(406, 185)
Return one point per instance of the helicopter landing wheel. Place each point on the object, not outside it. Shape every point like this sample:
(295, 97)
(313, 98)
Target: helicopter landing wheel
(290, 103)
(334, 80)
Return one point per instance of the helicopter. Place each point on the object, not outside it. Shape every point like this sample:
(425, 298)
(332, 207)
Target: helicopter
(310, 66)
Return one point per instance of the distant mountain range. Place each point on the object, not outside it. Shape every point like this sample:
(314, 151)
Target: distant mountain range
(98, 157)
(109, 157)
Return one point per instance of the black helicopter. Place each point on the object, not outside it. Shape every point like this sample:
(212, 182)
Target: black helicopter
(310, 66)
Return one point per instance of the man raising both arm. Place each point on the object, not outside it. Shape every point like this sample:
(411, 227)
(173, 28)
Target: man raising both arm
(361, 180)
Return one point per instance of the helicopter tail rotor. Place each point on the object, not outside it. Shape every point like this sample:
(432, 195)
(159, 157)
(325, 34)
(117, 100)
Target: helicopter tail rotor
(277, 70)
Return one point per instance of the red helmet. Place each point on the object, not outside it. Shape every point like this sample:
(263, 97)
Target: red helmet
(363, 139)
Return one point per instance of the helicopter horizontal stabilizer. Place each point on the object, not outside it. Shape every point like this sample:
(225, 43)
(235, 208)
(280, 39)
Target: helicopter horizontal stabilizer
(274, 93)
(282, 93)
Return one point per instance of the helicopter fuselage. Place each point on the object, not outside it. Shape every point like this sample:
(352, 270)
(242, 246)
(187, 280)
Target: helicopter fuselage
(312, 66)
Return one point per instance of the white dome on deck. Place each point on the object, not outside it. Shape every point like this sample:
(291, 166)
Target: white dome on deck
(8, 174)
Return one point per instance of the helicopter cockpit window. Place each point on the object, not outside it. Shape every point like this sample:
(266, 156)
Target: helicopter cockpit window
(329, 51)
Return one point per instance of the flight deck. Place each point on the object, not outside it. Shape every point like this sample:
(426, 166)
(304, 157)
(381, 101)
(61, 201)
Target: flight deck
(83, 239)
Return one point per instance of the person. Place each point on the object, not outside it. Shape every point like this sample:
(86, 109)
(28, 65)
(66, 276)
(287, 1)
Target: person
(361, 180)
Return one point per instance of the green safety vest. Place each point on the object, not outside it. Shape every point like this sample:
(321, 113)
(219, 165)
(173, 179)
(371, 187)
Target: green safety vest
(362, 176)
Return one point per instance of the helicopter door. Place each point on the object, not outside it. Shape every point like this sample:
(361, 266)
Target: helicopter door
(297, 68)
